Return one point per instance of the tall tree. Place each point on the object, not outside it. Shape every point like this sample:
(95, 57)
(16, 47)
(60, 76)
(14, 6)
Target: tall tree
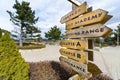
(23, 17)
(53, 33)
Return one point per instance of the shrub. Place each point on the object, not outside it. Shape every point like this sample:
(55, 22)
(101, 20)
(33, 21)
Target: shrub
(49, 70)
(39, 46)
(12, 65)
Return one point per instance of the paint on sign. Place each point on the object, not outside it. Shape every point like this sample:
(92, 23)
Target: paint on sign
(86, 19)
(74, 54)
(74, 13)
(74, 44)
(96, 30)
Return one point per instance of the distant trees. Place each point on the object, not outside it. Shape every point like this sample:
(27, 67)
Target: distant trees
(53, 34)
(117, 34)
(24, 18)
(112, 39)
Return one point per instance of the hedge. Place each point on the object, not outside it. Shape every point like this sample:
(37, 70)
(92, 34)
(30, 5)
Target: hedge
(12, 65)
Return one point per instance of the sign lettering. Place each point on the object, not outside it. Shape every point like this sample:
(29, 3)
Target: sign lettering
(89, 18)
(96, 30)
(75, 44)
(77, 66)
(74, 54)
(74, 13)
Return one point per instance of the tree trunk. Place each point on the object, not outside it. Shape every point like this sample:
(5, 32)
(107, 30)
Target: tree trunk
(21, 37)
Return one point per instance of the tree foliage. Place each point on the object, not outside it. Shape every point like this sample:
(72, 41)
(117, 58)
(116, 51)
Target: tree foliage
(23, 17)
(54, 33)
(117, 33)
(0, 33)
(12, 65)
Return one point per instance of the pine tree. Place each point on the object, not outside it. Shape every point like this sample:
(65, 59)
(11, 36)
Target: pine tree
(23, 17)
(54, 33)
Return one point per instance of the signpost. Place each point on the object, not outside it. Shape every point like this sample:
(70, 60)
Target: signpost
(82, 24)
(96, 30)
(86, 19)
(74, 44)
(74, 13)
(74, 54)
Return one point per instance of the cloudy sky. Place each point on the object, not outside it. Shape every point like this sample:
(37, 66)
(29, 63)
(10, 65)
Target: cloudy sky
(50, 12)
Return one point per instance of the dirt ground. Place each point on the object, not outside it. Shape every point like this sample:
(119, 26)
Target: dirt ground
(107, 58)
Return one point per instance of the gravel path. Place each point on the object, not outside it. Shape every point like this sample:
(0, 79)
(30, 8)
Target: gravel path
(108, 58)
(51, 52)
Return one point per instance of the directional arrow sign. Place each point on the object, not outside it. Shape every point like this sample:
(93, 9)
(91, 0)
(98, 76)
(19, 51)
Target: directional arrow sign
(74, 54)
(86, 19)
(74, 44)
(106, 19)
(76, 12)
(77, 66)
(96, 30)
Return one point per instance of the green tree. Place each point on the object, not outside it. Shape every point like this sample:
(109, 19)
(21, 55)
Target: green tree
(63, 36)
(23, 17)
(12, 65)
(53, 34)
(0, 33)
(109, 39)
(117, 34)
(31, 30)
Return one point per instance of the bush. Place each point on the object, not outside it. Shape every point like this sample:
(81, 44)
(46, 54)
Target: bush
(12, 65)
(38, 46)
(49, 70)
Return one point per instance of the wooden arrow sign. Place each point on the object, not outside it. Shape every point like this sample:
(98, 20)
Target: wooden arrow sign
(77, 66)
(76, 12)
(89, 18)
(74, 54)
(74, 44)
(108, 17)
(96, 30)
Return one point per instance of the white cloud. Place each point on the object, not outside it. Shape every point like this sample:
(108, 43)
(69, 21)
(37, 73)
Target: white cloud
(114, 25)
(50, 12)
(5, 23)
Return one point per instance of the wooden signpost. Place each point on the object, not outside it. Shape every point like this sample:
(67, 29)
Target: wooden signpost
(96, 30)
(74, 44)
(82, 24)
(74, 54)
(76, 12)
(89, 18)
